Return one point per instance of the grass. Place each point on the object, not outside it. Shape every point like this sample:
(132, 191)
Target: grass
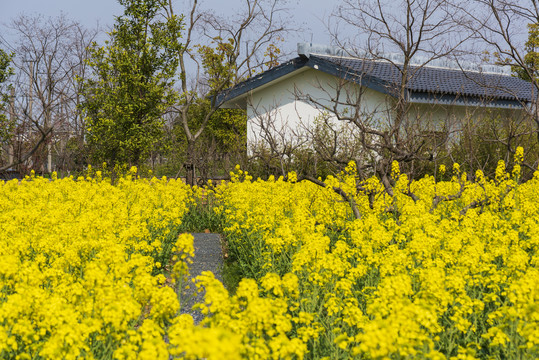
(232, 275)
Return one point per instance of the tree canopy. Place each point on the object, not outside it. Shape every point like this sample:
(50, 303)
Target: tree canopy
(531, 58)
(133, 83)
(5, 73)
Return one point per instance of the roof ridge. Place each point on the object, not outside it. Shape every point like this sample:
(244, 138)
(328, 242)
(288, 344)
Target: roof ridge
(484, 72)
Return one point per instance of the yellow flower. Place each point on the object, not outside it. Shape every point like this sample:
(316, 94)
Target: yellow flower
(519, 155)
(395, 169)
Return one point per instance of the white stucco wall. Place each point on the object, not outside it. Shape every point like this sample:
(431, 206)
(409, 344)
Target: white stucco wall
(282, 111)
(282, 107)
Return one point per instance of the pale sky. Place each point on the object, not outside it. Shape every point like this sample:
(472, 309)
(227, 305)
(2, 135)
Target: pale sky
(306, 13)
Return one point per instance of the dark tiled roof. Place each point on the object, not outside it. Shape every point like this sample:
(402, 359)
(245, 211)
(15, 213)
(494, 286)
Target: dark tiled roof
(261, 79)
(436, 80)
(426, 84)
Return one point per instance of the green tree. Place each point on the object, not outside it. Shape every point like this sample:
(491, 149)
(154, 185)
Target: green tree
(5, 72)
(230, 49)
(133, 83)
(220, 71)
(530, 71)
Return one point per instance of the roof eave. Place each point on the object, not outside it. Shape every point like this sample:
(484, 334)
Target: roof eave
(232, 95)
(462, 100)
(236, 97)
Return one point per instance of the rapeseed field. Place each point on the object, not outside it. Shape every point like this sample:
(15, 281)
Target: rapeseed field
(445, 268)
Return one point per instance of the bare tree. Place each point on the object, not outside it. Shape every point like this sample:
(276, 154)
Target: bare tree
(276, 143)
(409, 35)
(406, 36)
(50, 56)
(234, 50)
(500, 29)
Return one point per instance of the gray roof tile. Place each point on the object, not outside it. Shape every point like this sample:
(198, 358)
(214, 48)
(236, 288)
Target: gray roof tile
(437, 80)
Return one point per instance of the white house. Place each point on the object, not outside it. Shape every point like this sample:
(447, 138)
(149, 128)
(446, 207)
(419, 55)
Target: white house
(284, 102)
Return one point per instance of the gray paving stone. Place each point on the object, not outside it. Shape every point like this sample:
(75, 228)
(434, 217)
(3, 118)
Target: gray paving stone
(208, 257)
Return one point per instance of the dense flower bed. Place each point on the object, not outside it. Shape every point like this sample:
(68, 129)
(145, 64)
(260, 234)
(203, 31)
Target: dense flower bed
(450, 272)
(80, 266)
(444, 268)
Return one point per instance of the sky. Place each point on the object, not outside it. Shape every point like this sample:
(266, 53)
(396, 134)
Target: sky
(309, 14)
(88, 12)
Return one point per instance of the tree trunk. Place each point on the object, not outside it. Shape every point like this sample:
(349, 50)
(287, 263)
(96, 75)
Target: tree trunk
(190, 176)
(536, 115)
(11, 147)
(49, 156)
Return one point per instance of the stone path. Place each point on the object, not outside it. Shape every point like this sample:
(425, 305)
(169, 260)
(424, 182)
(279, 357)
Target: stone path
(208, 257)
